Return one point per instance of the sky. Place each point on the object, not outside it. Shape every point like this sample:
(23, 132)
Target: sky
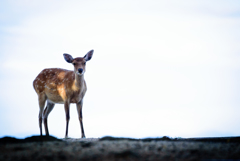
(159, 68)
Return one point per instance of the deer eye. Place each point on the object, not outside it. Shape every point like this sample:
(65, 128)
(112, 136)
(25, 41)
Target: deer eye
(84, 63)
(74, 63)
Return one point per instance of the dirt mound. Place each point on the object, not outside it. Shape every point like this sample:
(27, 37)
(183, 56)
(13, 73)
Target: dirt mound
(7, 140)
(111, 148)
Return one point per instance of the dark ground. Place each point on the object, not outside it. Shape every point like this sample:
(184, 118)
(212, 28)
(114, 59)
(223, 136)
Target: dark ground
(122, 149)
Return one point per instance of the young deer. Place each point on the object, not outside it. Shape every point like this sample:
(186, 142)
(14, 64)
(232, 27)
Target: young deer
(62, 86)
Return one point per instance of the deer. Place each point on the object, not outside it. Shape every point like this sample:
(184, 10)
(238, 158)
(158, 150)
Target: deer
(61, 86)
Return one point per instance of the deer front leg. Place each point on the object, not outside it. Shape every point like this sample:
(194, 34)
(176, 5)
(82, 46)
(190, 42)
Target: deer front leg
(66, 107)
(79, 109)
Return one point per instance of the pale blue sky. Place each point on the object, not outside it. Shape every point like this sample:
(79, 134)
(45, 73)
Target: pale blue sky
(159, 68)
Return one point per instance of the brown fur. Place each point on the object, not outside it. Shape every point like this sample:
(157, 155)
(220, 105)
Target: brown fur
(58, 85)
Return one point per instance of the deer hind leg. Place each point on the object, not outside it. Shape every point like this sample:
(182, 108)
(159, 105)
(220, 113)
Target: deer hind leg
(79, 109)
(66, 107)
(46, 112)
(41, 101)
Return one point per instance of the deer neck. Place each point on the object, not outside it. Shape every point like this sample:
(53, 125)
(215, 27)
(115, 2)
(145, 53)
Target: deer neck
(79, 81)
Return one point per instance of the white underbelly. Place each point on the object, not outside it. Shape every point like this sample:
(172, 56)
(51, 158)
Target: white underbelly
(55, 99)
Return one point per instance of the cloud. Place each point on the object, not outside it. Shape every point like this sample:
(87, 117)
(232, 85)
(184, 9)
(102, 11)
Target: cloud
(160, 64)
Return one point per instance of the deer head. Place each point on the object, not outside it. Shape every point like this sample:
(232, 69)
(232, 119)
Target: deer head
(79, 63)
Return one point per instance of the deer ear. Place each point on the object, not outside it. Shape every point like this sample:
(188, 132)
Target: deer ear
(88, 56)
(68, 58)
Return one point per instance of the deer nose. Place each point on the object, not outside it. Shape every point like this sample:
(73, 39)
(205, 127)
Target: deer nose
(80, 70)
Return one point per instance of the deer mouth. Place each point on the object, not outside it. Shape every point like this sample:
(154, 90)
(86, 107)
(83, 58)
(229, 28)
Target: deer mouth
(80, 74)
